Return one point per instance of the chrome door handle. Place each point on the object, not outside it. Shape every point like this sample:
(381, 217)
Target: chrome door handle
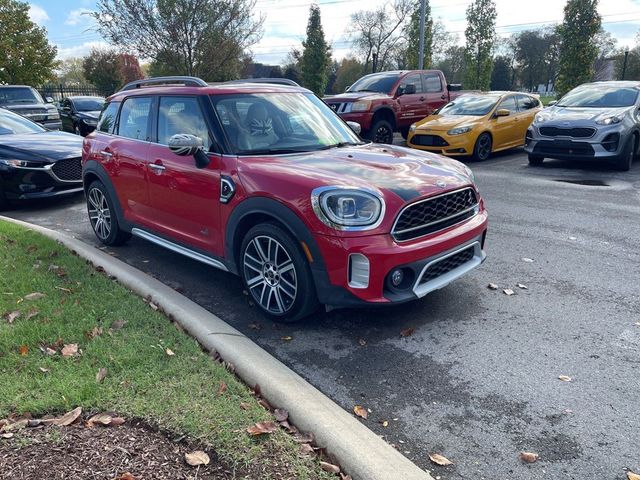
(106, 154)
(158, 169)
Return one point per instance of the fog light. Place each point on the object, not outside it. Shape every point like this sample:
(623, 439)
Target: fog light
(396, 277)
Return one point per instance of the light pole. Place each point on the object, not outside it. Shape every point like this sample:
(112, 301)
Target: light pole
(423, 7)
(375, 61)
(624, 65)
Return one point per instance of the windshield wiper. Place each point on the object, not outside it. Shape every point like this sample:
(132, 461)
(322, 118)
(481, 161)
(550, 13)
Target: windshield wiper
(366, 90)
(340, 145)
(272, 151)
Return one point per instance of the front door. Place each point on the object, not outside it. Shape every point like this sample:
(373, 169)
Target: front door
(413, 107)
(505, 131)
(184, 198)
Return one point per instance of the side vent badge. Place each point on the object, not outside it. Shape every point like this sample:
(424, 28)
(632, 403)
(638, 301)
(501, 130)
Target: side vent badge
(227, 189)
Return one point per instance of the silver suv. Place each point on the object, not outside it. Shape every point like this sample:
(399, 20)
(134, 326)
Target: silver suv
(593, 121)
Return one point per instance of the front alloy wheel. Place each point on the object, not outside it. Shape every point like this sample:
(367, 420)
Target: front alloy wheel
(99, 213)
(382, 132)
(483, 147)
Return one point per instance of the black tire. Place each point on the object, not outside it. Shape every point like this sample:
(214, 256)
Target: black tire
(404, 132)
(482, 148)
(102, 217)
(278, 279)
(381, 132)
(4, 203)
(624, 161)
(535, 160)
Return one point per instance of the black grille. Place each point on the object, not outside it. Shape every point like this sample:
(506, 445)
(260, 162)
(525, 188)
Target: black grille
(448, 264)
(567, 132)
(434, 214)
(563, 148)
(68, 169)
(429, 141)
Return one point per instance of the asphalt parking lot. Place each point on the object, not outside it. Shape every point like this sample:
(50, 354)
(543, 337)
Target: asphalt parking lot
(478, 379)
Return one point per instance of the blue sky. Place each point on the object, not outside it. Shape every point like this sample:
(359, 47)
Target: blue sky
(285, 21)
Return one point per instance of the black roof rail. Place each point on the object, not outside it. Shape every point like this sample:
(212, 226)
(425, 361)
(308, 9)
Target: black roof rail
(275, 81)
(175, 80)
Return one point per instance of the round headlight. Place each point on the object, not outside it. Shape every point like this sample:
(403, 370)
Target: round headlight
(347, 208)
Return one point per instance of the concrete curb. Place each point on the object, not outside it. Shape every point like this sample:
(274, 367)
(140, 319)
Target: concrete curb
(359, 451)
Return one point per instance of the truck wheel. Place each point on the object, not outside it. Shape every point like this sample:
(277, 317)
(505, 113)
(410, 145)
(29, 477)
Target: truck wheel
(535, 160)
(276, 274)
(102, 216)
(381, 132)
(624, 161)
(483, 146)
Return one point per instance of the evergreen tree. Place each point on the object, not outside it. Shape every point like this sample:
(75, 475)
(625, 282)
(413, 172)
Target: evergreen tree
(481, 37)
(26, 56)
(501, 74)
(316, 55)
(579, 46)
(412, 33)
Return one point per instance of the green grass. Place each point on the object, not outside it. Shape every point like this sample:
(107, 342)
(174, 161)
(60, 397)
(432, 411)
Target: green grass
(178, 393)
(546, 99)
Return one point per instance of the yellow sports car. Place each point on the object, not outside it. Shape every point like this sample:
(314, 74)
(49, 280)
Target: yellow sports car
(476, 124)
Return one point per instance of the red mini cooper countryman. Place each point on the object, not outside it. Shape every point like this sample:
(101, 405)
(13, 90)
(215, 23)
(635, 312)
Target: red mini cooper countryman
(265, 181)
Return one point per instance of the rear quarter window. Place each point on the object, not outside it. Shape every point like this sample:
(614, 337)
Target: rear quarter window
(107, 120)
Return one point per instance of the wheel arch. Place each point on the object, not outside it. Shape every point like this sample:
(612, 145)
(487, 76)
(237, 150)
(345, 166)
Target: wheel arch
(384, 113)
(93, 171)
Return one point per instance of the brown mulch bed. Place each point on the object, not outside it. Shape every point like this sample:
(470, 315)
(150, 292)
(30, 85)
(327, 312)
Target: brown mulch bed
(78, 452)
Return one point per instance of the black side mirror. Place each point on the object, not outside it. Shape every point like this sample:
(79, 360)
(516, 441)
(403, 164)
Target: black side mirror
(184, 144)
(409, 89)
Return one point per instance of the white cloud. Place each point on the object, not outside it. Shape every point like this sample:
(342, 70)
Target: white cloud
(78, 16)
(38, 15)
(80, 50)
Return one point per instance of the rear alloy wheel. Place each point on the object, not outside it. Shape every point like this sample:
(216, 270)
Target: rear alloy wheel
(535, 160)
(102, 216)
(381, 132)
(483, 146)
(276, 275)
(624, 161)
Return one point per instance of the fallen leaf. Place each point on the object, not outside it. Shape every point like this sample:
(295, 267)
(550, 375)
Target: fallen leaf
(102, 372)
(345, 477)
(117, 421)
(11, 316)
(68, 418)
(197, 458)
(632, 476)
(527, 260)
(360, 411)
(31, 313)
(65, 290)
(508, 292)
(96, 331)
(44, 370)
(50, 351)
(362, 342)
(126, 476)
(261, 428)
(564, 378)
(385, 423)
(6, 435)
(244, 406)
(117, 325)
(69, 350)
(287, 338)
(306, 449)
(99, 419)
(407, 332)
(528, 457)
(24, 350)
(169, 352)
(440, 459)
(329, 467)
(19, 425)
(34, 296)
(492, 286)
(281, 414)
(303, 437)
(153, 306)
(222, 388)
(523, 287)
(264, 404)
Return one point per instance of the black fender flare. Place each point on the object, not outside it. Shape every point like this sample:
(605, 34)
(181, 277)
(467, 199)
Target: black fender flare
(92, 169)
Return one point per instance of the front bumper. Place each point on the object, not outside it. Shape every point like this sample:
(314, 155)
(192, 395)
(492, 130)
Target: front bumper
(385, 255)
(24, 183)
(607, 142)
(452, 145)
(363, 118)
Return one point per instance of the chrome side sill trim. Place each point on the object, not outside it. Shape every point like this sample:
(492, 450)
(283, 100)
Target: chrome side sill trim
(178, 248)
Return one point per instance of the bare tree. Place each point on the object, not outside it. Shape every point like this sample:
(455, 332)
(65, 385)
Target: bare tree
(203, 37)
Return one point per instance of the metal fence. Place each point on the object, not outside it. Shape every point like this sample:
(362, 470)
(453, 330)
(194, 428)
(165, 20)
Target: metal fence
(58, 91)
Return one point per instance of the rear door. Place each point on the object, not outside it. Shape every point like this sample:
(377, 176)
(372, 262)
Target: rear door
(185, 199)
(434, 92)
(528, 106)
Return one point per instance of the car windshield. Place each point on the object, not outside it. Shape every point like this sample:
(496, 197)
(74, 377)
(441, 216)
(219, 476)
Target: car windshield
(88, 104)
(13, 95)
(12, 124)
(272, 123)
(597, 96)
(477, 105)
(376, 82)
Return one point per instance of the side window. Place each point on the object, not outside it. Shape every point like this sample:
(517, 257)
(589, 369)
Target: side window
(66, 103)
(181, 115)
(508, 103)
(413, 79)
(134, 118)
(525, 102)
(432, 83)
(108, 117)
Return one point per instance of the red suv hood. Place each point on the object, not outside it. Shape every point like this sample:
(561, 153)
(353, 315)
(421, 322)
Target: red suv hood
(400, 174)
(355, 96)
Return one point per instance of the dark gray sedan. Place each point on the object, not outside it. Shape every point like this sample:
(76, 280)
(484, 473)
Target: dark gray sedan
(593, 121)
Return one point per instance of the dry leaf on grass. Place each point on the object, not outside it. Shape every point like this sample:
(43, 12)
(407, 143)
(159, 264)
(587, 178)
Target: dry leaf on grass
(360, 411)
(68, 418)
(329, 467)
(492, 286)
(564, 378)
(169, 352)
(117, 325)
(126, 476)
(197, 458)
(24, 350)
(407, 332)
(281, 414)
(508, 292)
(11, 316)
(69, 350)
(262, 428)
(102, 372)
(222, 388)
(632, 476)
(528, 457)
(31, 313)
(34, 296)
(244, 405)
(44, 370)
(306, 449)
(6, 435)
(99, 419)
(440, 459)
(94, 332)
(303, 437)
